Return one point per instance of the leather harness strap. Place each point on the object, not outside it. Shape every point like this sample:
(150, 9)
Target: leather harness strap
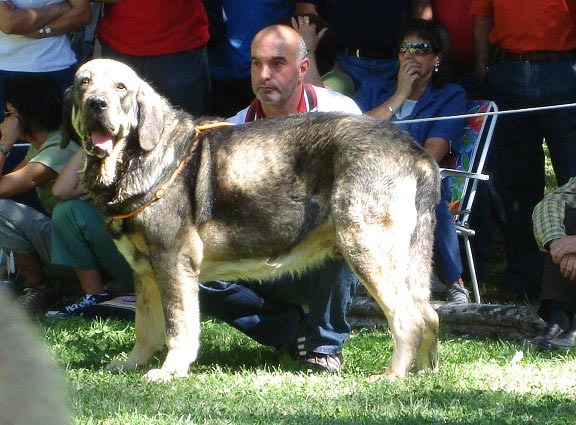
(160, 192)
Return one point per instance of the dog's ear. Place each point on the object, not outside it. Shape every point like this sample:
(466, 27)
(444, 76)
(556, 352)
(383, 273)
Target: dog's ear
(66, 127)
(150, 116)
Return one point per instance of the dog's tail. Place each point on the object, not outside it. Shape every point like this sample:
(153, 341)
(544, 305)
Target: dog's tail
(421, 244)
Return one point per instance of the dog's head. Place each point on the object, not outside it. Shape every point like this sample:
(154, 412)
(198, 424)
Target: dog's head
(109, 103)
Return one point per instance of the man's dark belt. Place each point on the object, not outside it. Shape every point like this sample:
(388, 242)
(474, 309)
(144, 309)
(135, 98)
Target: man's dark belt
(538, 56)
(370, 53)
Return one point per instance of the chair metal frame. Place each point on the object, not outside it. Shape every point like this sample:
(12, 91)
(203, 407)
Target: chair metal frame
(468, 173)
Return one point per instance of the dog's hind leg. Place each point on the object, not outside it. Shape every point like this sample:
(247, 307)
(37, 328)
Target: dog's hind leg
(419, 272)
(375, 236)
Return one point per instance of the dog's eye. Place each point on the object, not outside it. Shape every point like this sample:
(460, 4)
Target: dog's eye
(121, 86)
(85, 81)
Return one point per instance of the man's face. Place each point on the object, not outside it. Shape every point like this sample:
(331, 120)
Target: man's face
(276, 70)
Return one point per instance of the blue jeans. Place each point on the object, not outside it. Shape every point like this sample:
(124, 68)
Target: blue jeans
(376, 72)
(183, 77)
(447, 261)
(271, 312)
(518, 155)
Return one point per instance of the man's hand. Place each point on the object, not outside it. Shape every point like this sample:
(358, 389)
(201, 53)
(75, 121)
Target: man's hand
(562, 247)
(568, 266)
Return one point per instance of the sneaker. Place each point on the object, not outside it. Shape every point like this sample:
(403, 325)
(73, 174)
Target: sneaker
(331, 363)
(37, 299)
(457, 294)
(76, 309)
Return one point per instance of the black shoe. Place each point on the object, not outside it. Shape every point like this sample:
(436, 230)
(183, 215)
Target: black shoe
(331, 363)
(565, 340)
(551, 331)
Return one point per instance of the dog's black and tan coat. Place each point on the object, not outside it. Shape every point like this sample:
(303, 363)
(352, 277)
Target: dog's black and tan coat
(253, 201)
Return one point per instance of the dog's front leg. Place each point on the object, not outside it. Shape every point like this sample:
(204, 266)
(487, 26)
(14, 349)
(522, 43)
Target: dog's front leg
(149, 326)
(178, 286)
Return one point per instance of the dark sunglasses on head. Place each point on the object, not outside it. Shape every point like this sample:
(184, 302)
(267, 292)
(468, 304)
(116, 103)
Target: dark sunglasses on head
(416, 48)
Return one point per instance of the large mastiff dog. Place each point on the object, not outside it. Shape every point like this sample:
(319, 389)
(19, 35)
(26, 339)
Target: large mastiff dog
(188, 203)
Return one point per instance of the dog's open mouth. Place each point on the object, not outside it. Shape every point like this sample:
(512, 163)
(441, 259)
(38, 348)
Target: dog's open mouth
(99, 142)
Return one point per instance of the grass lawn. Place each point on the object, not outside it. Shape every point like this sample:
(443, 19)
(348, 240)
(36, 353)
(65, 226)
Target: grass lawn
(236, 381)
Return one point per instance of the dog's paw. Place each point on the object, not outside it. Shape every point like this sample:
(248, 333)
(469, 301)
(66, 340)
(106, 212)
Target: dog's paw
(391, 377)
(162, 375)
(121, 366)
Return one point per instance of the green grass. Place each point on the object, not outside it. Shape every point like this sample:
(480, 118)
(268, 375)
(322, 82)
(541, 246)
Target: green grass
(236, 381)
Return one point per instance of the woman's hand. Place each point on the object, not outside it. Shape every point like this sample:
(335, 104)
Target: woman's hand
(11, 130)
(407, 74)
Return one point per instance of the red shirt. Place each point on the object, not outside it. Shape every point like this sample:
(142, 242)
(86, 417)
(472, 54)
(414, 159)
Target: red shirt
(456, 15)
(526, 25)
(154, 27)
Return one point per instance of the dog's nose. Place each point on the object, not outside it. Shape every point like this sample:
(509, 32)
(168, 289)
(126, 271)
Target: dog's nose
(97, 103)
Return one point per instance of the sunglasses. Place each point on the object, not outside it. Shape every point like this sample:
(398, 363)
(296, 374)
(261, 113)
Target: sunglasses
(416, 47)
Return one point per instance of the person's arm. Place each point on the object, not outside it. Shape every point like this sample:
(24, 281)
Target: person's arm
(78, 16)
(548, 221)
(482, 47)
(408, 73)
(26, 177)
(308, 32)
(438, 147)
(24, 21)
(67, 185)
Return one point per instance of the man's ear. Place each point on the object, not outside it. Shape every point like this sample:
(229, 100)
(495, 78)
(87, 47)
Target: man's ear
(304, 66)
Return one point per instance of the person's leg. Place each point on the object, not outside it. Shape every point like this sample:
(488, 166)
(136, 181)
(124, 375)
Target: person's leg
(273, 323)
(328, 291)
(557, 85)
(361, 70)
(183, 78)
(80, 241)
(558, 300)
(447, 260)
(26, 232)
(269, 312)
(518, 174)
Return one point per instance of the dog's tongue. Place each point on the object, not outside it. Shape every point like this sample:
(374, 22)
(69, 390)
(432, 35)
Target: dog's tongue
(102, 141)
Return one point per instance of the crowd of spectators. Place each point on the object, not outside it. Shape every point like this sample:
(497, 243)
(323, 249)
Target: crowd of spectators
(393, 60)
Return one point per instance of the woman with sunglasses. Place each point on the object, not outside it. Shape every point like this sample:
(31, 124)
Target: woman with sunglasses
(422, 91)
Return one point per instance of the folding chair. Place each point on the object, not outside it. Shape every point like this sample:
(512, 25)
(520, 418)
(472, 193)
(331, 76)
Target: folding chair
(466, 171)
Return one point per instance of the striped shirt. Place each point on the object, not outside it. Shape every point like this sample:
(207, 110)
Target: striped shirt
(548, 216)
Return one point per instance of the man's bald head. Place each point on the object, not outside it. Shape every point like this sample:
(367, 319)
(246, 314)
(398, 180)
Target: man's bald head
(279, 64)
(282, 34)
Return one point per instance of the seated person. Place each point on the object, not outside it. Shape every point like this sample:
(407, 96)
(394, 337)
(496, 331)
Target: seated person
(80, 241)
(273, 313)
(422, 91)
(34, 114)
(554, 221)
